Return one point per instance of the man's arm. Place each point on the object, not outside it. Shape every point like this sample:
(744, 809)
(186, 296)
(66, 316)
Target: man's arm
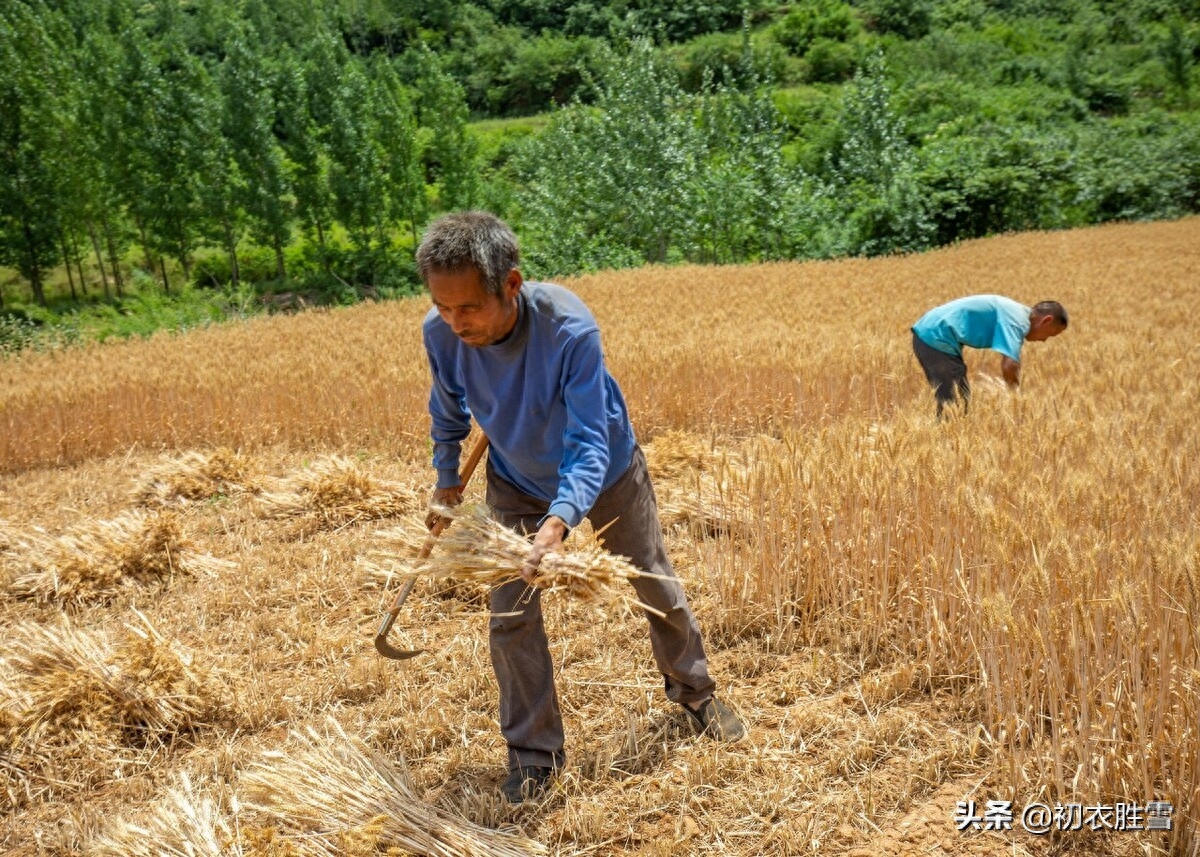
(1011, 370)
(450, 425)
(585, 450)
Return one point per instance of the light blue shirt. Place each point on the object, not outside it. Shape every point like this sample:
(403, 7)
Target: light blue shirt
(980, 321)
(556, 420)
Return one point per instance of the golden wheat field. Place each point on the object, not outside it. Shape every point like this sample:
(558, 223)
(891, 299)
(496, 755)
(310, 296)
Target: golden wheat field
(197, 534)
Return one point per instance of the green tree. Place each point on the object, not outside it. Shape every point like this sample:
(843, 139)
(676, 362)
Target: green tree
(33, 141)
(248, 127)
(609, 184)
(452, 154)
(397, 130)
(356, 172)
(874, 170)
(101, 134)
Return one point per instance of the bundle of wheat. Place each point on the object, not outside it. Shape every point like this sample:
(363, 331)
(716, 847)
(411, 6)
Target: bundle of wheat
(675, 452)
(334, 796)
(709, 505)
(477, 549)
(188, 821)
(335, 492)
(198, 476)
(100, 557)
(84, 699)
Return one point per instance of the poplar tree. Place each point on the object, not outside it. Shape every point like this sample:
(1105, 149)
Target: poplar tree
(31, 143)
(397, 136)
(453, 152)
(356, 160)
(248, 125)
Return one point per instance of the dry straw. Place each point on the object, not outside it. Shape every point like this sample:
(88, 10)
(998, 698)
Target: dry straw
(189, 821)
(100, 557)
(71, 697)
(334, 492)
(198, 476)
(333, 796)
(476, 549)
(674, 453)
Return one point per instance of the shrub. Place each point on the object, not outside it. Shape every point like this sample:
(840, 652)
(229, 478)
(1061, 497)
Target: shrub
(816, 19)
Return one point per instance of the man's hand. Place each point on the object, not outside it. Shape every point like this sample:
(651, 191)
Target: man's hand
(548, 539)
(442, 497)
(1011, 370)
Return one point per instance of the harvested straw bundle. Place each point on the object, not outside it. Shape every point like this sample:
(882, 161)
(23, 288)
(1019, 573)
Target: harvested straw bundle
(710, 506)
(335, 492)
(100, 557)
(477, 549)
(87, 699)
(198, 476)
(189, 821)
(336, 797)
(674, 453)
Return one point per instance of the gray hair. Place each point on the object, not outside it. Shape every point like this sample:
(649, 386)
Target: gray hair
(1052, 308)
(470, 239)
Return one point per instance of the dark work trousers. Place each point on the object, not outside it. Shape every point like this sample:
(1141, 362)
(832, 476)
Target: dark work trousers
(947, 373)
(529, 714)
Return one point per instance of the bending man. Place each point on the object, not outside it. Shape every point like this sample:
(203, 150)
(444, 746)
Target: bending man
(525, 360)
(980, 321)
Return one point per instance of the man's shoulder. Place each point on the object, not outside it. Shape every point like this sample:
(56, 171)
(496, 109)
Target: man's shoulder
(559, 306)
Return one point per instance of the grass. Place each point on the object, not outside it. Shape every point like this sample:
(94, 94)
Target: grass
(906, 614)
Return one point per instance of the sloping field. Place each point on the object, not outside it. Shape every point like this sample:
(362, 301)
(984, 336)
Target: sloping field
(907, 615)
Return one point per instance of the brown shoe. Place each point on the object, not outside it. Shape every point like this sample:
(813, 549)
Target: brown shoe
(716, 720)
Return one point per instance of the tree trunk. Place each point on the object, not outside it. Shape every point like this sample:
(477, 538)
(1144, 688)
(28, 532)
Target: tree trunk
(280, 272)
(62, 242)
(99, 259)
(235, 270)
(148, 261)
(79, 266)
(162, 266)
(35, 270)
(112, 256)
(321, 246)
(186, 264)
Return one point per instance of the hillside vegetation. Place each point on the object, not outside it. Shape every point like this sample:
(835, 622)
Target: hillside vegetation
(906, 614)
(176, 164)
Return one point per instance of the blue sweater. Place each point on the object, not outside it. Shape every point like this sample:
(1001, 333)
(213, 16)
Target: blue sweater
(556, 420)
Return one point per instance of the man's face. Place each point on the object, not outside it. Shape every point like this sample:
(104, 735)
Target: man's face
(476, 317)
(1043, 328)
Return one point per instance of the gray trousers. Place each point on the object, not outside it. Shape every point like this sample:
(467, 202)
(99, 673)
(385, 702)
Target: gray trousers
(946, 373)
(530, 719)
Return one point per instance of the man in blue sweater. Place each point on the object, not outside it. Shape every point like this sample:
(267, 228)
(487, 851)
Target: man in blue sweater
(524, 359)
(980, 321)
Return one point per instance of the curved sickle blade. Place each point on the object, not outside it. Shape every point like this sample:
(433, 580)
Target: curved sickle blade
(389, 616)
(387, 649)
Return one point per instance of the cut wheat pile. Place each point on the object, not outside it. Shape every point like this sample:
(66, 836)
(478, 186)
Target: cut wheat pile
(198, 476)
(335, 492)
(100, 557)
(333, 797)
(189, 821)
(72, 700)
(476, 549)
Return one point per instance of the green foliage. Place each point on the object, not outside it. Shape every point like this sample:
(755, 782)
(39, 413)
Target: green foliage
(301, 147)
(451, 155)
(996, 181)
(612, 176)
(908, 19)
(729, 59)
(833, 20)
(1145, 167)
(873, 171)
